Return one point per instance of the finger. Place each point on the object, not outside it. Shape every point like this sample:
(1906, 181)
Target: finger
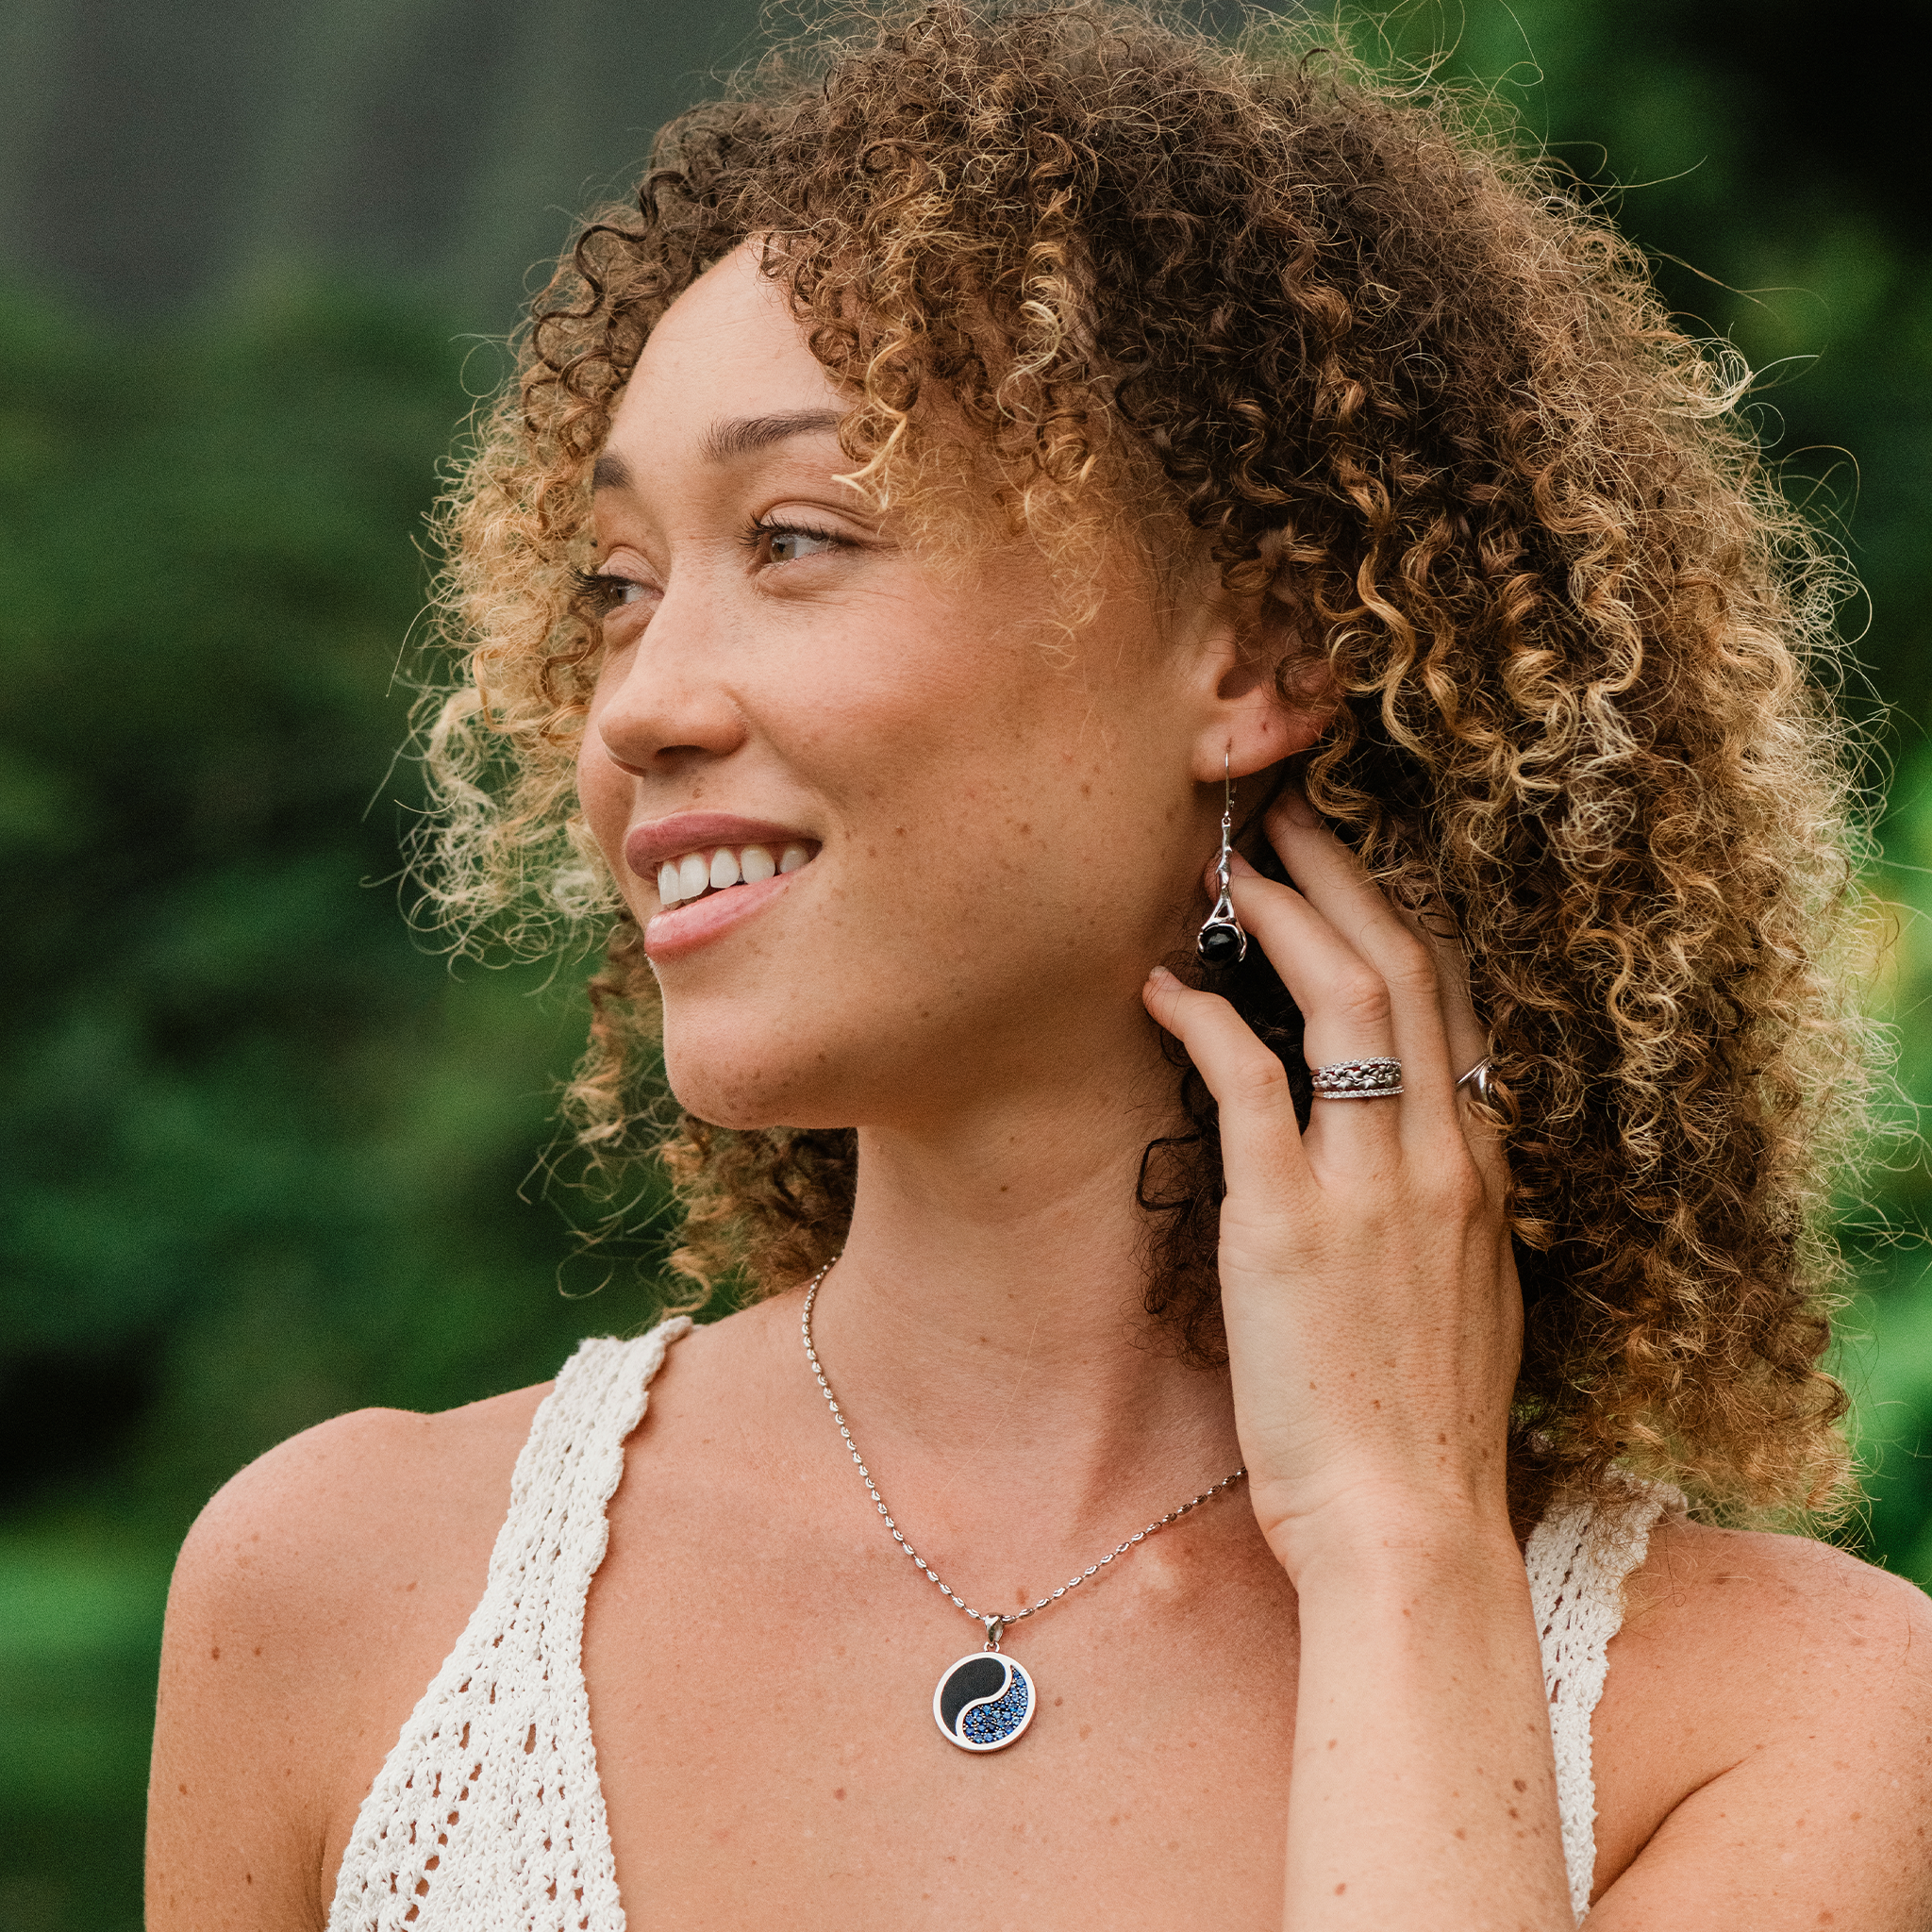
(1262, 1150)
(1469, 1039)
(1345, 1011)
(1331, 878)
(1329, 868)
(1344, 1000)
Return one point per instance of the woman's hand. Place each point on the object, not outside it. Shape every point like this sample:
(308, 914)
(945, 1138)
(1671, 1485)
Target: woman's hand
(1373, 1327)
(1373, 1319)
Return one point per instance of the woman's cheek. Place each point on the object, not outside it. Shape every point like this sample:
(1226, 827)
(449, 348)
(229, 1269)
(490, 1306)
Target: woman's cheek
(603, 791)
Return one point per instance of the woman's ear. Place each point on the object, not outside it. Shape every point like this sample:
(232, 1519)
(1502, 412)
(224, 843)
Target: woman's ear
(1266, 695)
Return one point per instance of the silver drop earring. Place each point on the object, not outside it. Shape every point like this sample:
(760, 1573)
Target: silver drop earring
(1222, 942)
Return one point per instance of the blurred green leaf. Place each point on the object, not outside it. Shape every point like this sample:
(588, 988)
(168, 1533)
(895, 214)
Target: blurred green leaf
(267, 1156)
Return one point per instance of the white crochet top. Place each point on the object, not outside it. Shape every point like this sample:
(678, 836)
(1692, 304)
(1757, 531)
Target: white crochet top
(488, 1817)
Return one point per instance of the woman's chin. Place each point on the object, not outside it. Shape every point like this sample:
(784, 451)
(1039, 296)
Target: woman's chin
(747, 1096)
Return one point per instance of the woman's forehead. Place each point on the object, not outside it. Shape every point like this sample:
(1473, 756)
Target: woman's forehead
(729, 349)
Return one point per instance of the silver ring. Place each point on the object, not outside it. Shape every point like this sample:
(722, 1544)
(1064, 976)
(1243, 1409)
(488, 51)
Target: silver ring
(1480, 1082)
(1373, 1079)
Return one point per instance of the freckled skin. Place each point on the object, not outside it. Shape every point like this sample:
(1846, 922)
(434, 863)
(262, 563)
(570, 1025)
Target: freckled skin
(1714, 1668)
(927, 707)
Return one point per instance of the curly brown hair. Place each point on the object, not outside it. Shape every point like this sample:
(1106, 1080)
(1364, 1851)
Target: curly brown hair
(1398, 378)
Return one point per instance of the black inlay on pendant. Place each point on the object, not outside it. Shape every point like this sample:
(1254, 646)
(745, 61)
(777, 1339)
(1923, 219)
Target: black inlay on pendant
(978, 1676)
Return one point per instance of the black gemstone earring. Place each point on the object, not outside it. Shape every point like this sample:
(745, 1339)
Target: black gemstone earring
(1222, 943)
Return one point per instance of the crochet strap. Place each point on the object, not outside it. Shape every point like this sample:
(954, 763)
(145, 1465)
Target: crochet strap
(488, 1815)
(1580, 1556)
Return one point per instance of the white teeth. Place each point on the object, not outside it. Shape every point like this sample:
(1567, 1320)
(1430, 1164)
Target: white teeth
(679, 879)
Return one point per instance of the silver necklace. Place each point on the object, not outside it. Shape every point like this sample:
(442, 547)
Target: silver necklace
(985, 1700)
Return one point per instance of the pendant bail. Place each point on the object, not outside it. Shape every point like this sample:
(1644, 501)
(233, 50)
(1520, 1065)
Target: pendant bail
(995, 1627)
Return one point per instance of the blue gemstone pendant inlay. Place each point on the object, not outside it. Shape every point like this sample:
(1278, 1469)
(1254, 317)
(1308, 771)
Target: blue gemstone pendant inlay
(984, 1701)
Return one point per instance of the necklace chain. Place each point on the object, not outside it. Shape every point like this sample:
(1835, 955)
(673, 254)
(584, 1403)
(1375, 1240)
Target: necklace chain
(994, 1623)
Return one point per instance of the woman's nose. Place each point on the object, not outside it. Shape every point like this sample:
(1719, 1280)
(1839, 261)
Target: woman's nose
(660, 703)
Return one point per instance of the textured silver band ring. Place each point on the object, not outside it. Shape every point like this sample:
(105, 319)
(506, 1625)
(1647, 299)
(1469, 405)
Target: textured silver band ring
(1480, 1082)
(1373, 1079)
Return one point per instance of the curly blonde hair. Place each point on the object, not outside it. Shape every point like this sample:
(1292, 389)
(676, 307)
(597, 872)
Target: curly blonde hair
(1400, 380)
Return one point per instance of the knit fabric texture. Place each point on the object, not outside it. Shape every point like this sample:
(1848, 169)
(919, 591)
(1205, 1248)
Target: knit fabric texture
(1580, 1556)
(487, 1816)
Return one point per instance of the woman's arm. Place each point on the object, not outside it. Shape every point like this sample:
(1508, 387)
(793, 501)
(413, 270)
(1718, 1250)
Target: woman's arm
(1424, 1786)
(243, 1730)
(1375, 1328)
(315, 1597)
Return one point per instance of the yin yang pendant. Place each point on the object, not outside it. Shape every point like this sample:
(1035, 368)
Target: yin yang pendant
(984, 1701)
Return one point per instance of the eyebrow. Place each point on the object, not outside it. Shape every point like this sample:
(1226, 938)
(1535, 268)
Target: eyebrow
(745, 435)
(724, 443)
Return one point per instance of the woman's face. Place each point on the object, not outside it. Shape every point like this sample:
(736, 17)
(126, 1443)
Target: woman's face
(961, 842)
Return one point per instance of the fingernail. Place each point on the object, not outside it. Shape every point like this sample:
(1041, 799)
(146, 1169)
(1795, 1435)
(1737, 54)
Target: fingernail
(1158, 974)
(1240, 868)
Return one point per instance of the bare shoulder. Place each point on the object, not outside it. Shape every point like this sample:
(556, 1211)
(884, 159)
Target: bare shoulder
(1789, 1609)
(311, 1527)
(1766, 1731)
(312, 1602)
(351, 1471)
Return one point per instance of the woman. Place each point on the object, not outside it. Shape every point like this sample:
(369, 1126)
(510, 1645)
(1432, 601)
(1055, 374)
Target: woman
(991, 476)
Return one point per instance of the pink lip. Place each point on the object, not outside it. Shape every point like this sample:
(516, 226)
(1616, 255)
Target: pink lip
(647, 846)
(684, 928)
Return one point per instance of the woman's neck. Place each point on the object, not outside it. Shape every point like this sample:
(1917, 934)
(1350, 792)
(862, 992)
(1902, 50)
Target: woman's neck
(987, 1315)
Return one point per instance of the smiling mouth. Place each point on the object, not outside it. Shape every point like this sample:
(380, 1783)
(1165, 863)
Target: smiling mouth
(710, 868)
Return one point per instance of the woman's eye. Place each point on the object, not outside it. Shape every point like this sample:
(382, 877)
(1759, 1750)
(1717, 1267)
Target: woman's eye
(783, 543)
(603, 592)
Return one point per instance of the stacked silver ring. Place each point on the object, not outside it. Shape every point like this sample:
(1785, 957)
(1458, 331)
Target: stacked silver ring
(1376, 1079)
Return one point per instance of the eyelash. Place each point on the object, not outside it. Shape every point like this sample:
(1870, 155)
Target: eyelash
(597, 590)
(759, 530)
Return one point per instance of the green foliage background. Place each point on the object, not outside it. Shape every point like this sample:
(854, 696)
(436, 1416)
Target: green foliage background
(267, 1156)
